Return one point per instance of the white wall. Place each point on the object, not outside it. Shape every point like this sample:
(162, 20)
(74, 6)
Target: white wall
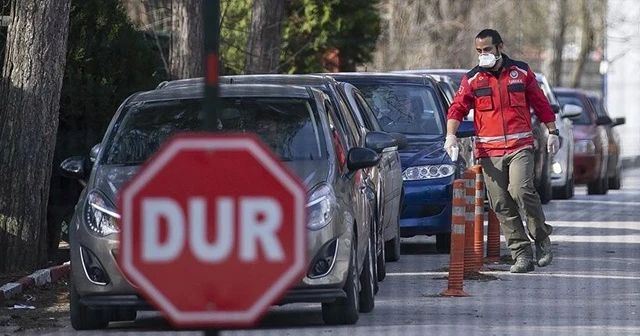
(622, 80)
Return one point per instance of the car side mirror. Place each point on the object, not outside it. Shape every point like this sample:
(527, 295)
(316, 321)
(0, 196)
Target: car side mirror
(380, 142)
(95, 151)
(466, 129)
(603, 120)
(401, 139)
(73, 168)
(360, 158)
(619, 121)
(571, 111)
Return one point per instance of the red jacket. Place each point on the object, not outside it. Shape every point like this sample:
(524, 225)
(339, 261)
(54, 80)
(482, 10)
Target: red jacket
(502, 116)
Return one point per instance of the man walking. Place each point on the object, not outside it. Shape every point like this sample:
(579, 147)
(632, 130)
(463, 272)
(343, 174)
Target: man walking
(501, 90)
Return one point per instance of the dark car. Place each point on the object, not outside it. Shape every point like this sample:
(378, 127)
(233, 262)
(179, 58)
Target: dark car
(542, 159)
(386, 176)
(415, 106)
(614, 164)
(594, 141)
(300, 125)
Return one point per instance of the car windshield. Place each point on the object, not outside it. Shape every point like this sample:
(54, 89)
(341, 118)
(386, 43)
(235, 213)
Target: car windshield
(583, 119)
(290, 127)
(409, 109)
(551, 97)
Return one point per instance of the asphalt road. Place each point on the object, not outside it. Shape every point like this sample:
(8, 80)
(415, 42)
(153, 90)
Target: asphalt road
(592, 287)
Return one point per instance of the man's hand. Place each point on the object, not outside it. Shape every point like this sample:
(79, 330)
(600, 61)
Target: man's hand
(450, 142)
(553, 144)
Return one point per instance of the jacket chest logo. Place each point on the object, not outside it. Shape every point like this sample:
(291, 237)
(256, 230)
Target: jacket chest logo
(515, 78)
(483, 81)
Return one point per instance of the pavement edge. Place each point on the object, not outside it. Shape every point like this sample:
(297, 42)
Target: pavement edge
(35, 279)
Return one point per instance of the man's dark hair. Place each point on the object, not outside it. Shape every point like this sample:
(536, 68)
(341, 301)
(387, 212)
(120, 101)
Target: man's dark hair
(495, 36)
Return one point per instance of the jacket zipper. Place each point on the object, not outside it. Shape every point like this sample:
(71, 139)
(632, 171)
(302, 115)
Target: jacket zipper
(504, 126)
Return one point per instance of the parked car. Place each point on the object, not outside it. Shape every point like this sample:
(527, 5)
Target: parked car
(592, 144)
(542, 159)
(614, 164)
(415, 106)
(562, 180)
(454, 74)
(300, 125)
(354, 116)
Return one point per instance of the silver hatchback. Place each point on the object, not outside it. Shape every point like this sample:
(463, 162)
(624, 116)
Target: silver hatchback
(298, 124)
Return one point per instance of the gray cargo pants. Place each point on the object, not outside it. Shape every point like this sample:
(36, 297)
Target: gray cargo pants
(510, 187)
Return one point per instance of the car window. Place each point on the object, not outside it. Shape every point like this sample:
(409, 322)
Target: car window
(448, 90)
(584, 118)
(290, 127)
(551, 97)
(369, 116)
(598, 106)
(403, 108)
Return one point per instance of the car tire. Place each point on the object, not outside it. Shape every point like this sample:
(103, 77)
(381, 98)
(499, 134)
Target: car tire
(345, 310)
(381, 265)
(368, 280)
(83, 318)
(598, 187)
(565, 192)
(443, 242)
(393, 246)
(123, 314)
(615, 182)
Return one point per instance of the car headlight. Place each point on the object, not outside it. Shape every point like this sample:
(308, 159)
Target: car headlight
(100, 215)
(556, 168)
(320, 207)
(585, 147)
(427, 172)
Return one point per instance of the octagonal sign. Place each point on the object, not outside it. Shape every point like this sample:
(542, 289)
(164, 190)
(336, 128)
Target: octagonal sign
(213, 230)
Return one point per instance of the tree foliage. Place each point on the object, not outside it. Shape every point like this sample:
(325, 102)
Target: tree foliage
(310, 29)
(107, 60)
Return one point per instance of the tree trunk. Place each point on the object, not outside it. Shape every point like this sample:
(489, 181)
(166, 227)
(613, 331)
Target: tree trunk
(187, 42)
(586, 44)
(265, 37)
(30, 87)
(552, 64)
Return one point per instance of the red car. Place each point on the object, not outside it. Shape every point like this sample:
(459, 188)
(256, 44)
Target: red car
(597, 146)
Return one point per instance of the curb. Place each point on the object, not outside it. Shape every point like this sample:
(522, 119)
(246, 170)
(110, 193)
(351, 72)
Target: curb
(35, 279)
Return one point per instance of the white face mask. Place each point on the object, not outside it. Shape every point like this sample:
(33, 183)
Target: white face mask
(488, 60)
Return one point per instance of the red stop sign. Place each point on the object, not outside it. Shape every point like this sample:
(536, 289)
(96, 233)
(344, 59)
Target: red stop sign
(213, 230)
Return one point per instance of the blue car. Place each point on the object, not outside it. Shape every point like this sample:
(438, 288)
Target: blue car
(415, 106)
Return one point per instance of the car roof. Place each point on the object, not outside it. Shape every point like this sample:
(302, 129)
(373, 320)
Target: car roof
(382, 76)
(246, 79)
(237, 90)
(560, 90)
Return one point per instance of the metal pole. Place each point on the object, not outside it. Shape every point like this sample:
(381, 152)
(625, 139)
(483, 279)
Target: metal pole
(211, 12)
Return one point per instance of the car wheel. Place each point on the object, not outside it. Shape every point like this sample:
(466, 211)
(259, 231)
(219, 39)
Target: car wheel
(443, 242)
(615, 182)
(123, 314)
(598, 187)
(345, 310)
(393, 245)
(381, 265)
(83, 318)
(368, 279)
(565, 192)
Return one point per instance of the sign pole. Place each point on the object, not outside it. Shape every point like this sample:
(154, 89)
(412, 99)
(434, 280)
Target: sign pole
(211, 13)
